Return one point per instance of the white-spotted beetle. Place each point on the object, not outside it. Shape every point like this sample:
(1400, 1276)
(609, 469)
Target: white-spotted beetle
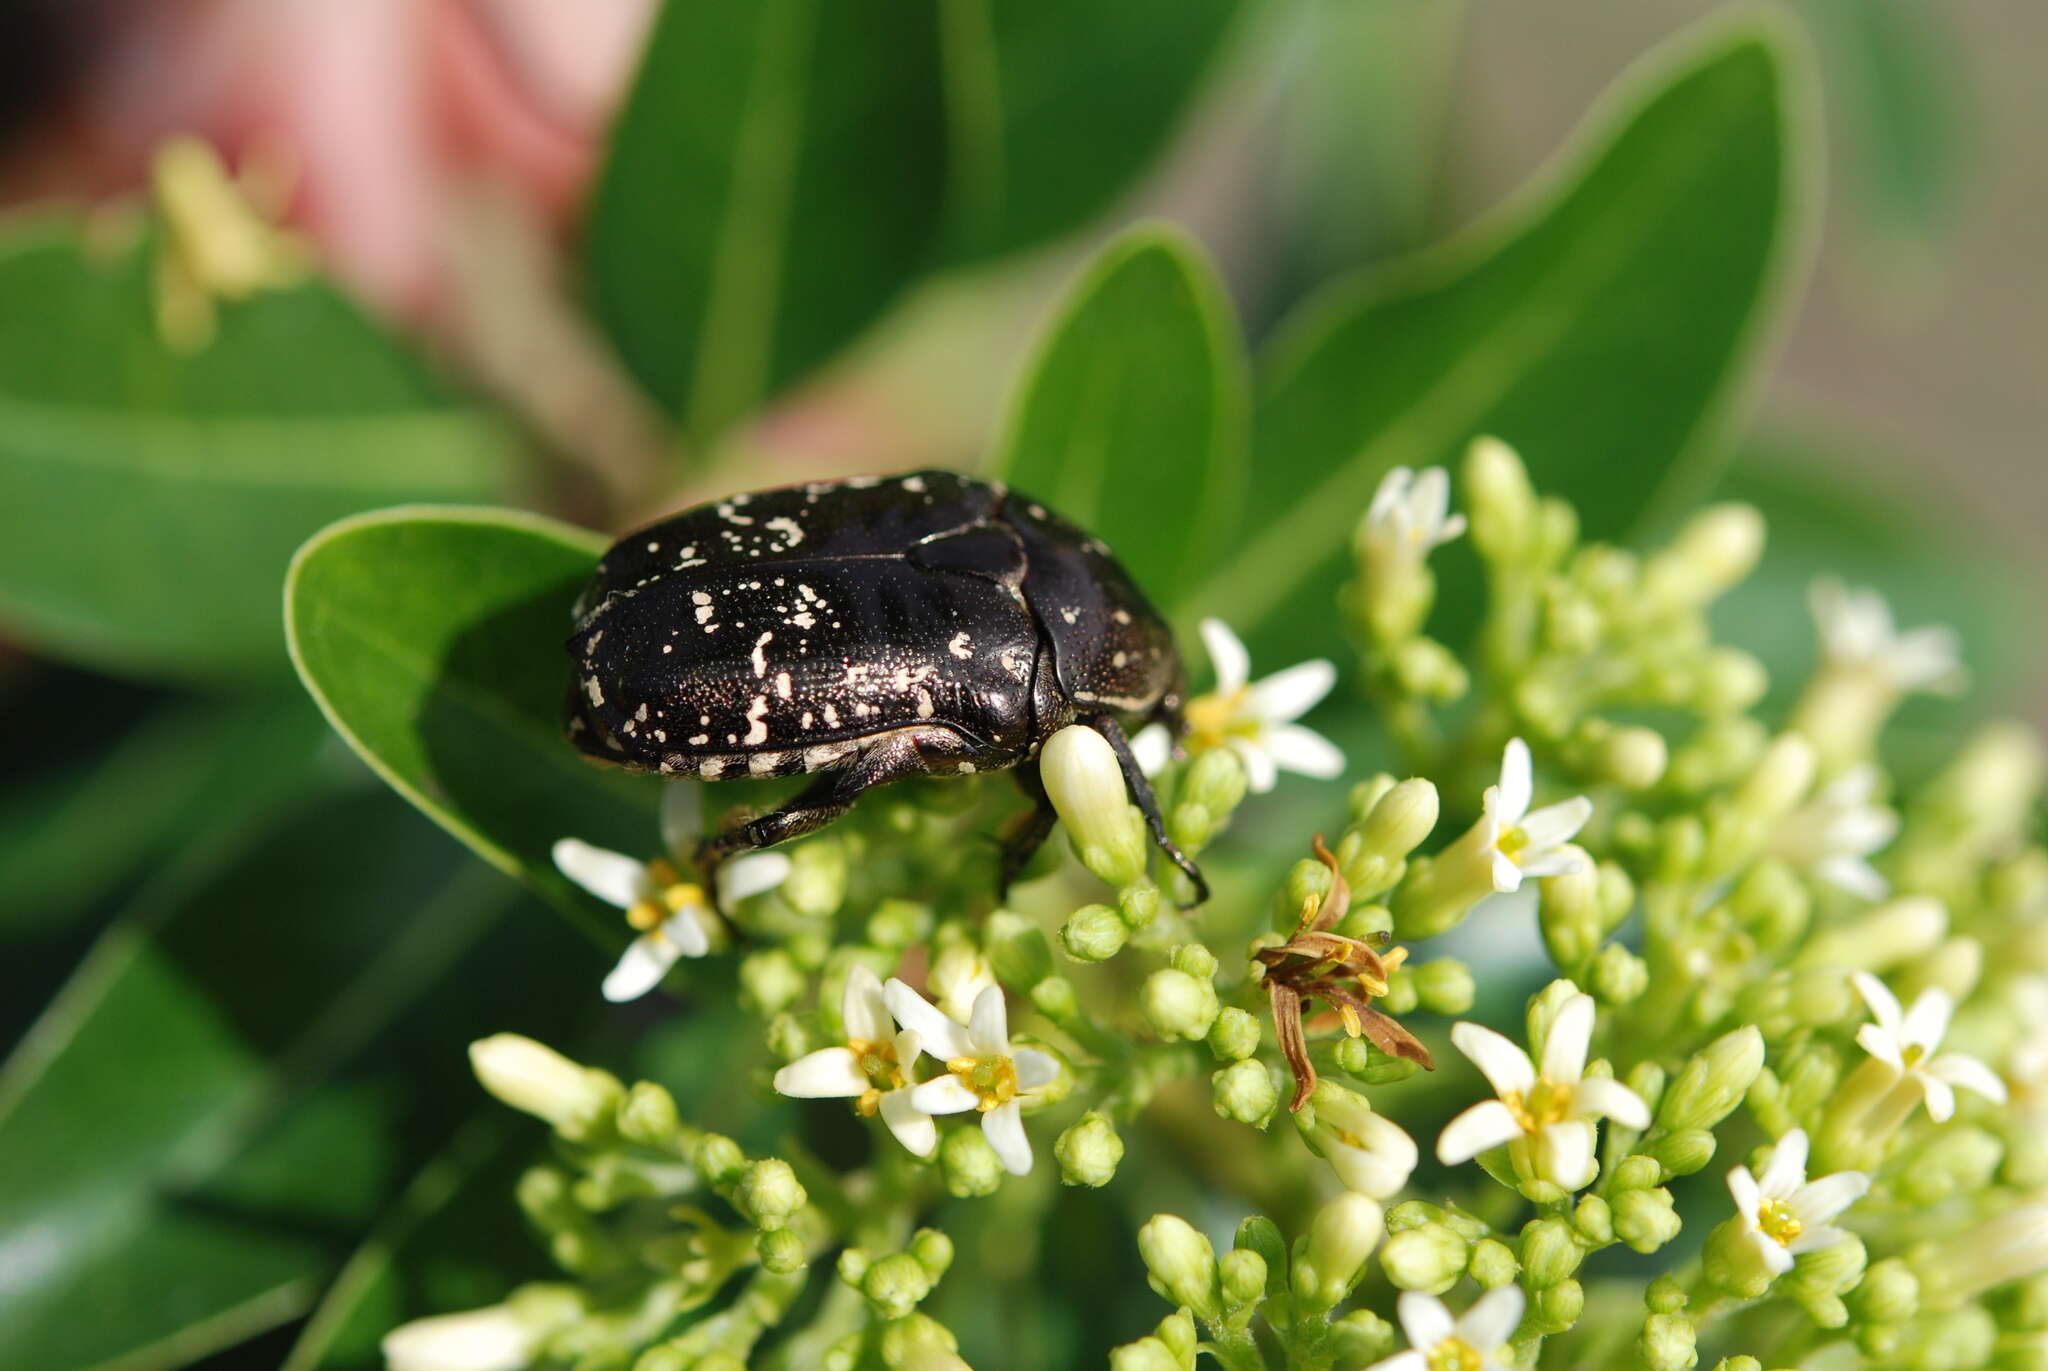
(868, 629)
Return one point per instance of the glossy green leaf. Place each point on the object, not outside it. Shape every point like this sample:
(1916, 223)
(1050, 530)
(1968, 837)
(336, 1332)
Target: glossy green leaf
(432, 639)
(1131, 420)
(154, 496)
(1056, 105)
(1603, 323)
(776, 176)
(198, 1122)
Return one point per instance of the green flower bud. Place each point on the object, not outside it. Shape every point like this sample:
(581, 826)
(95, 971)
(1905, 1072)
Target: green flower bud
(1089, 1150)
(1957, 1340)
(577, 1100)
(1646, 1078)
(1738, 1364)
(770, 981)
(920, 1343)
(1619, 976)
(719, 1159)
(1666, 1343)
(649, 1118)
(1957, 1160)
(1360, 1338)
(1637, 1172)
(1244, 1277)
(1593, 1221)
(1086, 786)
(1493, 1264)
(853, 1266)
(1729, 681)
(1558, 1308)
(933, 1251)
(968, 1163)
(1732, 1263)
(1211, 789)
(1683, 1152)
(1717, 548)
(1889, 1293)
(1017, 950)
(1235, 1035)
(1398, 822)
(1400, 997)
(1500, 503)
(780, 1250)
(1543, 1009)
(895, 1284)
(769, 1194)
(1307, 883)
(1181, 1265)
(1645, 1219)
(1429, 1258)
(1819, 1279)
(1246, 1091)
(1094, 933)
(789, 1037)
(1259, 1234)
(1780, 779)
(1550, 1252)
(1954, 968)
(1177, 1331)
(1425, 668)
(1713, 1082)
(1054, 997)
(1179, 1007)
(1367, 923)
(1571, 917)
(1193, 958)
(816, 884)
(1138, 903)
(1894, 933)
(1330, 1260)
(897, 923)
(1358, 1057)
(1444, 986)
(1146, 1354)
(1633, 758)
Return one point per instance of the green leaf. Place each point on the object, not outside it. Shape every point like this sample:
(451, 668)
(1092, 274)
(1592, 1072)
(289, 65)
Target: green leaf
(432, 639)
(775, 177)
(1604, 323)
(184, 1163)
(1055, 105)
(1131, 420)
(154, 497)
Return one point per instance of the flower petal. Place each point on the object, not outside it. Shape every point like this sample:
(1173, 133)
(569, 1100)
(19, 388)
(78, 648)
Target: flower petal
(1873, 1039)
(1411, 1360)
(1854, 875)
(1034, 1068)
(864, 1009)
(1227, 654)
(1927, 1021)
(1286, 695)
(1968, 1073)
(1940, 1097)
(682, 818)
(1561, 861)
(942, 1037)
(1746, 1193)
(1830, 1195)
(988, 1023)
(645, 962)
(1390, 500)
(1424, 1319)
(1304, 752)
(1564, 1154)
(1786, 1173)
(1003, 1126)
(1776, 1256)
(1506, 1067)
(611, 876)
(912, 1126)
(943, 1095)
(1152, 748)
(1507, 877)
(1481, 1128)
(1517, 783)
(1492, 1318)
(751, 874)
(1884, 1006)
(1260, 772)
(1571, 1034)
(1813, 1239)
(1554, 825)
(1602, 1097)
(828, 1073)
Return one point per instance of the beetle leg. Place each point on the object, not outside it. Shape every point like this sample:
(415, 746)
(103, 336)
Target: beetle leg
(1030, 829)
(1148, 804)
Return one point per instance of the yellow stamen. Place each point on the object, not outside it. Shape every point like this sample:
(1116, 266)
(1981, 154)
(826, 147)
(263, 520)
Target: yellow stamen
(992, 1079)
(1777, 1222)
(1913, 1055)
(1455, 1354)
(1212, 718)
(1546, 1103)
(1511, 841)
(1350, 1017)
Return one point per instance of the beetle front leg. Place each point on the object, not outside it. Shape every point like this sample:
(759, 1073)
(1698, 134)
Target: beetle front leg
(1148, 804)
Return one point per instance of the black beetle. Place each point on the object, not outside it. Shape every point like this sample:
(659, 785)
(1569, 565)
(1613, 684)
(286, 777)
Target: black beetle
(868, 629)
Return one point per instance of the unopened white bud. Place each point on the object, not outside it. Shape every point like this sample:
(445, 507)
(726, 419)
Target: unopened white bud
(539, 1080)
(1086, 786)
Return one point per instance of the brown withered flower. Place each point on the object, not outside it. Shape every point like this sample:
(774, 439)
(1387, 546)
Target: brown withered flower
(1344, 973)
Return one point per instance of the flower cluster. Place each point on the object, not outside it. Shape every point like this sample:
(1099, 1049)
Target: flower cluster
(1785, 992)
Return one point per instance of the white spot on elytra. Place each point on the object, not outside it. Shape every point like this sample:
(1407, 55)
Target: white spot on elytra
(641, 713)
(757, 716)
(699, 739)
(914, 484)
(831, 717)
(764, 763)
(593, 690)
(961, 646)
(1070, 614)
(792, 532)
(760, 657)
(1120, 659)
(924, 702)
(782, 684)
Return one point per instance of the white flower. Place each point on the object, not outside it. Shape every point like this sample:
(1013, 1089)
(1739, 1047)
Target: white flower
(1410, 514)
(1370, 1153)
(982, 1071)
(1152, 748)
(488, 1339)
(1475, 1341)
(1256, 720)
(1548, 1118)
(670, 913)
(1521, 843)
(1834, 833)
(1905, 1041)
(1783, 1214)
(1857, 634)
(873, 1067)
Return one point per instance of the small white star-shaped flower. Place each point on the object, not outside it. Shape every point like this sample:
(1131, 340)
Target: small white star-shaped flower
(1905, 1040)
(1411, 514)
(1783, 1214)
(983, 1072)
(1547, 1117)
(1256, 720)
(1834, 833)
(1522, 843)
(670, 913)
(872, 1067)
(1474, 1341)
(1857, 633)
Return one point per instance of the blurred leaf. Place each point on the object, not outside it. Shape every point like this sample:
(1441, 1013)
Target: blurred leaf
(125, 460)
(69, 840)
(1056, 105)
(1895, 86)
(1131, 419)
(432, 639)
(775, 177)
(1603, 323)
(178, 1177)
